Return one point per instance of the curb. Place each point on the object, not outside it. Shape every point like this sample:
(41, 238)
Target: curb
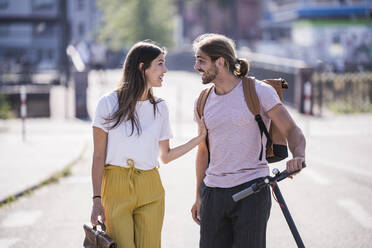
(51, 179)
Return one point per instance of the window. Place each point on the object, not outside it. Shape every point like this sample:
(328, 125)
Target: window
(80, 4)
(43, 29)
(81, 29)
(336, 39)
(4, 30)
(43, 4)
(50, 54)
(39, 55)
(4, 4)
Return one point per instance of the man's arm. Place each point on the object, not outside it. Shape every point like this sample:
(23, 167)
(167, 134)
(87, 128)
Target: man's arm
(296, 140)
(201, 167)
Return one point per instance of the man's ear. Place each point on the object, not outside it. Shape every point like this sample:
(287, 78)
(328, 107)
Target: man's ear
(220, 62)
(140, 66)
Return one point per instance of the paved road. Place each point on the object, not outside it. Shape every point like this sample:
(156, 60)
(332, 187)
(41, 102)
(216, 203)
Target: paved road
(50, 145)
(330, 201)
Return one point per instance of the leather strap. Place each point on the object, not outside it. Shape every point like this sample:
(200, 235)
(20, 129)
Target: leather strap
(200, 108)
(250, 95)
(202, 100)
(103, 229)
(253, 104)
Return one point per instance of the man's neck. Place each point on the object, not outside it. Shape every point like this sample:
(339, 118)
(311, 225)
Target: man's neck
(224, 84)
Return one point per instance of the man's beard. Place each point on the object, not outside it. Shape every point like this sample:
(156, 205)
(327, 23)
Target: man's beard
(210, 76)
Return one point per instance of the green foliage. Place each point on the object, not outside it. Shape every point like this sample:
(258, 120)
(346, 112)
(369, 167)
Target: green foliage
(128, 21)
(5, 110)
(348, 107)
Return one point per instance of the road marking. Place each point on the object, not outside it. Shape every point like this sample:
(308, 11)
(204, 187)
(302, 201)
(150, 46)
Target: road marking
(21, 218)
(343, 166)
(316, 177)
(336, 133)
(357, 212)
(5, 243)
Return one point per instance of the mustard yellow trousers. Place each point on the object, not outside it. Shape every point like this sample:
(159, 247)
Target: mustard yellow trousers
(133, 200)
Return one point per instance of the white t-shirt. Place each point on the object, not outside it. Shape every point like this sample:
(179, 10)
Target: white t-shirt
(143, 148)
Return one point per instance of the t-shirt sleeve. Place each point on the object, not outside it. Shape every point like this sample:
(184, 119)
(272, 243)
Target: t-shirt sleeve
(102, 112)
(166, 131)
(268, 97)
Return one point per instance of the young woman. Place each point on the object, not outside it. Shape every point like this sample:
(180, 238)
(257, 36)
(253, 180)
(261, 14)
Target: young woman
(130, 128)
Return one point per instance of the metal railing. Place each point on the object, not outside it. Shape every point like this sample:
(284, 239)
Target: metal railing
(344, 93)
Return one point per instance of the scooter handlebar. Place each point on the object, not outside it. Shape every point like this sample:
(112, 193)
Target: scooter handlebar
(284, 174)
(242, 194)
(257, 186)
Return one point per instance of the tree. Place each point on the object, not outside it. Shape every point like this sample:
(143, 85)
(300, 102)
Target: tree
(5, 109)
(128, 21)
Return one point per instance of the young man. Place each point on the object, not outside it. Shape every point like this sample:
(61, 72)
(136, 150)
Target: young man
(234, 146)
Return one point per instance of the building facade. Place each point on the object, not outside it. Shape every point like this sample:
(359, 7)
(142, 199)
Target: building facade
(238, 19)
(34, 33)
(338, 32)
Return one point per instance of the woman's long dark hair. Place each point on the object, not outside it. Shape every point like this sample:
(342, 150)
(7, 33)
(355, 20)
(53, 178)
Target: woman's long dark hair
(133, 84)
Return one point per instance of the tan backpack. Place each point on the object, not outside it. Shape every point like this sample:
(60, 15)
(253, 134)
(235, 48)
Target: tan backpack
(276, 146)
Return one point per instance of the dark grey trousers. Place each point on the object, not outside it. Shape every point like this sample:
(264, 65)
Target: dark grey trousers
(226, 224)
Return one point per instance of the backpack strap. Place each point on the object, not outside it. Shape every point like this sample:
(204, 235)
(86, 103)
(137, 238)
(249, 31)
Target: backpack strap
(250, 95)
(200, 104)
(202, 100)
(253, 104)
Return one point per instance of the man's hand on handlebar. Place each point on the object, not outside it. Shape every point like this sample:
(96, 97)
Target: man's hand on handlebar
(294, 164)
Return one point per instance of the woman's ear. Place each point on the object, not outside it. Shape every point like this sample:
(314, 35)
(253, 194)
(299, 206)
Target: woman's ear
(140, 66)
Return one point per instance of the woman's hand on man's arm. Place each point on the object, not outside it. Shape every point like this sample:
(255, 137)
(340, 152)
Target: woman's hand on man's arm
(168, 154)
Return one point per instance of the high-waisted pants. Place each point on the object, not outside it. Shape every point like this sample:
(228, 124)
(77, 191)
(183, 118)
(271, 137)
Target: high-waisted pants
(133, 201)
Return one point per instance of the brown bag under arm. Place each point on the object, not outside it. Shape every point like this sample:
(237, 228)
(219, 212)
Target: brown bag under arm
(276, 146)
(279, 145)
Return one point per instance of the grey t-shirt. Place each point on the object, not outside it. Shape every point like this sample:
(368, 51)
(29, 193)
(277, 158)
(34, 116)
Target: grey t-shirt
(234, 136)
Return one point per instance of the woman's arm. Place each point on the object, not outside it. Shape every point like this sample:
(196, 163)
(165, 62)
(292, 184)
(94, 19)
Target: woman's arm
(99, 156)
(168, 154)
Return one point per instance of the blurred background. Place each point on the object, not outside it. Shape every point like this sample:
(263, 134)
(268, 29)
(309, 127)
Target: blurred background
(50, 46)
(57, 57)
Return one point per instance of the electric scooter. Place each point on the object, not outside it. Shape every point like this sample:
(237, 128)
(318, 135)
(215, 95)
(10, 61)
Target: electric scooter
(272, 181)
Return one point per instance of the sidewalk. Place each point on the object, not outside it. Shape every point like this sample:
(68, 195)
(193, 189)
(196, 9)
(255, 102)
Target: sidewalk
(50, 146)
